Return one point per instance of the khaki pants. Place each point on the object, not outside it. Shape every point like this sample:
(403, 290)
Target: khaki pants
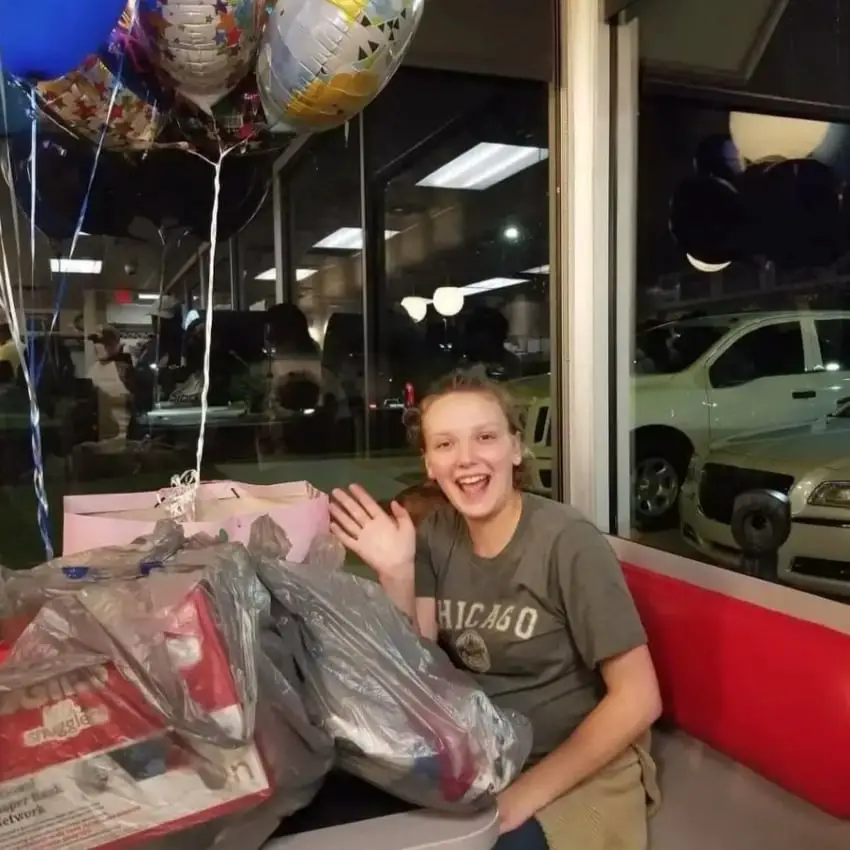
(609, 811)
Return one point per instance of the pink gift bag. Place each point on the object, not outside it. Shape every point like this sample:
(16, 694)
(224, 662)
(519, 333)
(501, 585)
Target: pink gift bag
(228, 507)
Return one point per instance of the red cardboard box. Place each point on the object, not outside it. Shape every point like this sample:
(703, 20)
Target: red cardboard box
(87, 762)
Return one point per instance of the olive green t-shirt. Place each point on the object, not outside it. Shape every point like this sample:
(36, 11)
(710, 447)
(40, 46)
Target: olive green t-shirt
(534, 623)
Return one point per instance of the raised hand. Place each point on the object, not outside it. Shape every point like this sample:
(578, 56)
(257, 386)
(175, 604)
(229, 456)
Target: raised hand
(384, 541)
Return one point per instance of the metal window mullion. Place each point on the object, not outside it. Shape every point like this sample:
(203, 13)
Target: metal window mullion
(586, 69)
(558, 251)
(624, 162)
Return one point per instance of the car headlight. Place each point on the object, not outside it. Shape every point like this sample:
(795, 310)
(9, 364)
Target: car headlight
(694, 469)
(831, 494)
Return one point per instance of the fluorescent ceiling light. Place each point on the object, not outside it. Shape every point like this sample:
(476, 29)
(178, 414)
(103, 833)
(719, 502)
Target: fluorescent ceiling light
(491, 284)
(300, 274)
(147, 296)
(483, 166)
(65, 265)
(538, 270)
(348, 239)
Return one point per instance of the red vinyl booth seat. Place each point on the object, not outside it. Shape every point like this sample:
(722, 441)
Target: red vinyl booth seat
(764, 688)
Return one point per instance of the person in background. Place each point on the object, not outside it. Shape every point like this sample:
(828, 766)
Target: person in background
(485, 334)
(190, 377)
(161, 356)
(296, 375)
(167, 325)
(298, 392)
(10, 359)
(528, 597)
(112, 377)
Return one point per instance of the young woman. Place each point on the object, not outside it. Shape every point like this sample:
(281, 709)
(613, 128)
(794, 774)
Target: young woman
(528, 596)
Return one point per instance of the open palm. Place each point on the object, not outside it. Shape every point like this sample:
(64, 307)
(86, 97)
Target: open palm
(384, 541)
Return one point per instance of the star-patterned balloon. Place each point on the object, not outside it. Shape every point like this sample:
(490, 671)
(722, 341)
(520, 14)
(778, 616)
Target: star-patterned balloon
(204, 47)
(322, 62)
(81, 102)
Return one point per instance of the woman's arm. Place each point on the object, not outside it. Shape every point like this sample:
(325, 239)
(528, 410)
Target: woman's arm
(629, 708)
(401, 590)
(426, 617)
(422, 610)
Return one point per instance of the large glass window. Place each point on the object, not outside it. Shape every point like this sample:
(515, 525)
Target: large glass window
(741, 336)
(367, 262)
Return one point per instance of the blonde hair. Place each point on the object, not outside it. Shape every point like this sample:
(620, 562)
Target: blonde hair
(469, 382)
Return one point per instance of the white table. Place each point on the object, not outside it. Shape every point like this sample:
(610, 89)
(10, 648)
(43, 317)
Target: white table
(409, 831)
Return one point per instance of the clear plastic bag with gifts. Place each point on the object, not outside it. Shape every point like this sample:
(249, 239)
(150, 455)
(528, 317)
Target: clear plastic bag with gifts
(137, 702)
(403, 717)
(23, 592)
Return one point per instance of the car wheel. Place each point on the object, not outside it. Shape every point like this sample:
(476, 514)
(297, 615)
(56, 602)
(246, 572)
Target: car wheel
(659, 470)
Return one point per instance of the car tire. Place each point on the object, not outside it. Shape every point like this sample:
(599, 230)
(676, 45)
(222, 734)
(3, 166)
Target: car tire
(661, 463)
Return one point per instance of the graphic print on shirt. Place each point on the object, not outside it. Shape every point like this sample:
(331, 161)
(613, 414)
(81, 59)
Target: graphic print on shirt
(470, 622)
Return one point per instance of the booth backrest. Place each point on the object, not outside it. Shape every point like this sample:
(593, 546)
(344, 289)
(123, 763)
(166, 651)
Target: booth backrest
(768, 689)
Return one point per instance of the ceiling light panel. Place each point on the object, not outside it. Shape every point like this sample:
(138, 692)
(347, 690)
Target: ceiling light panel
(347, 239)
(66, 265)
(300, 274)
(484, 166)
(491, 284)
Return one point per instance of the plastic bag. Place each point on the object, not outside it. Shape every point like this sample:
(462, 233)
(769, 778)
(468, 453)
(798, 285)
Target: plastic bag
(403, 717)
(136, 702)
(298, 753)
(128, 710)
(268, 539)
(23, 592)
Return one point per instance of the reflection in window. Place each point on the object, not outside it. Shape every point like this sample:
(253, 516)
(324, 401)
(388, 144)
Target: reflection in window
(466, 280)
(470, 265)
(411, 242)
(742, 342)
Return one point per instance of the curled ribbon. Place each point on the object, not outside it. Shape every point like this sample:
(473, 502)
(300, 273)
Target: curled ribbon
(178, 499)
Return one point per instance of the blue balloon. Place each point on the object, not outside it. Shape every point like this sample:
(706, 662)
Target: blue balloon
(17, 116)
(46, 40)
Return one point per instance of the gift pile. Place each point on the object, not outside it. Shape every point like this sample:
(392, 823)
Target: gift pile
(192, 693)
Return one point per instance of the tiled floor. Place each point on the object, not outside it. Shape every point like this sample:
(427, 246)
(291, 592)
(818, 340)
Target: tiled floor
(712, 803)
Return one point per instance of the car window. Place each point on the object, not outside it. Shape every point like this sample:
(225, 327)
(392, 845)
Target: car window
(766, 352)
(671, 348)
(834, 337)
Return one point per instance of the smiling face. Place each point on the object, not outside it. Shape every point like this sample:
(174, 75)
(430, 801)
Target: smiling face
(470, 452)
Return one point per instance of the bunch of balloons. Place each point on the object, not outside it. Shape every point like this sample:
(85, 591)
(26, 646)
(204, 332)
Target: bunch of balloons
(199, 74)
(122, 196)
(772, 189)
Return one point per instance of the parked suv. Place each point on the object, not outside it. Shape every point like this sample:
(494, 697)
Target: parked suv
(700, 381)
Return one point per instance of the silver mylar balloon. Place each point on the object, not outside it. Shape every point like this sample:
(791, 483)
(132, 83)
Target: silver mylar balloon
(205, 47)
(323, 61)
